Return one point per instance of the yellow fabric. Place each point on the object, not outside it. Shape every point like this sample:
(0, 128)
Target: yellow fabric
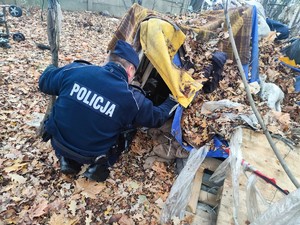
(288, 61)
(160, 42)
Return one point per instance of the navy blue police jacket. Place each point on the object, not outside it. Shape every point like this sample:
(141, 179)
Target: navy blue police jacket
(94, 105)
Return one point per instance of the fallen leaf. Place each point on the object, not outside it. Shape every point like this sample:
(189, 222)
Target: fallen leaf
(16, 167)
(175, 220)
(17, 178)
(108, 210)
(125, 220)
(134, 185)
(88, 218)
(89, 188)
(160, 203)
(160, 168)
(61, 219)
(73, 207)
(114, 218)
(38, 209)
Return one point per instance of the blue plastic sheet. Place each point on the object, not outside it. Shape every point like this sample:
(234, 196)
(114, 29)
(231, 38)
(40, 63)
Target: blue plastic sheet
(219, 143)
(297, 84)
(176, 129)
(278, 27)
(176, 60)
(289, 66)
(218, 152)
(254, 51)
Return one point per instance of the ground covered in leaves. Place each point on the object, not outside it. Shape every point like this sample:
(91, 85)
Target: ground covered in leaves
(32, 190)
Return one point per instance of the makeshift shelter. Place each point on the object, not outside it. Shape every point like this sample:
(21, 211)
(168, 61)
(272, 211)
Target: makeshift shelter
(167, 58)
(175, 56)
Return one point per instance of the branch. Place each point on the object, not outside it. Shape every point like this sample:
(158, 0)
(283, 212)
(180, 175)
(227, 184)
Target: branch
(53, 30)
(256, 112)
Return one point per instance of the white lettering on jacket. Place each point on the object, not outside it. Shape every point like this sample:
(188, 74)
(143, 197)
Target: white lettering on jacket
(92, 100)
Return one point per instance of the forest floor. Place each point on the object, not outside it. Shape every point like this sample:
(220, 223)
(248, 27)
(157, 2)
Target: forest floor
(32, 189)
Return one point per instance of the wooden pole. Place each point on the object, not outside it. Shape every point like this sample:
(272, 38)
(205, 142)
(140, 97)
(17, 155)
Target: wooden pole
(53, 38)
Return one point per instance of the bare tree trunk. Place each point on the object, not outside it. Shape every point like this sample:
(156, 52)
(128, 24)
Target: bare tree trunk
(53, 27)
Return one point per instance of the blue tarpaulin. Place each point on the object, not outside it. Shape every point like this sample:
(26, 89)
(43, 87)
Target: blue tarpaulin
(297, 84)
(219, 143)
(218, 152)
(254, 51)
(279, 28)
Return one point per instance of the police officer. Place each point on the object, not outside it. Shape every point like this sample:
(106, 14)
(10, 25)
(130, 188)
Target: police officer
(95, 108)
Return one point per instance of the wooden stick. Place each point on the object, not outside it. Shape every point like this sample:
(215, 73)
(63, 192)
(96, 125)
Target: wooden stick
(53, 38)
(208, 198)
(195, 191)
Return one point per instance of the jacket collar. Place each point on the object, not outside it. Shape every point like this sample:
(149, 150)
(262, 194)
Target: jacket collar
(117, 69)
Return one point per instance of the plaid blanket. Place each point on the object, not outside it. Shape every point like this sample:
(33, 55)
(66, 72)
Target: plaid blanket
(209, 24)
(129, 24)
(141, 26)
(242, 29)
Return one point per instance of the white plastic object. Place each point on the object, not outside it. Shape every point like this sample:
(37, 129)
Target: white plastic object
(286, 211)
(263, 28)
(234, 160)
(211, 106)
(252, 196)
(180, 192)
(271, 93)
(221, 171)
(259, 7)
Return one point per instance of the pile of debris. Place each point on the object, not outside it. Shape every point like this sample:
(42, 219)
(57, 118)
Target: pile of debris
(198, 126)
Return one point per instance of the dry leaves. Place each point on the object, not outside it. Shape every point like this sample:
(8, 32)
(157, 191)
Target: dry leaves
(32, 190)
(89, 188)
(197, 128)
(38, 209)
(61, 219)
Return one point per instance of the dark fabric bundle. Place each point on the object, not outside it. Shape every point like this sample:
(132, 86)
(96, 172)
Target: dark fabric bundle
(214, 72)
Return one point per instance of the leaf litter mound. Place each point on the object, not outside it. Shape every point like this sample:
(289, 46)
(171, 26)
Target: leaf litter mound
(32, 189)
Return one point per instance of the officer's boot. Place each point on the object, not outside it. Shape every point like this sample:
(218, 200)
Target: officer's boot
(98, 171)
(69, 166)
